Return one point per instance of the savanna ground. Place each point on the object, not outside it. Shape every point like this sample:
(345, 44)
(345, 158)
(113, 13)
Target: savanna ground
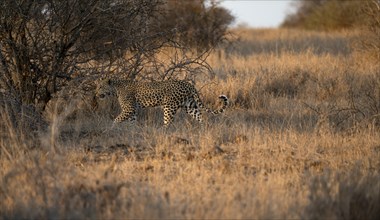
(300, 139)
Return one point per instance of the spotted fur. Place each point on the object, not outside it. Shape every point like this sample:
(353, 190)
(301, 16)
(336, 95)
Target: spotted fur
(170, 95)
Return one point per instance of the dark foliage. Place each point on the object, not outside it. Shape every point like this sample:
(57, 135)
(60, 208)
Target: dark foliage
(44, 44)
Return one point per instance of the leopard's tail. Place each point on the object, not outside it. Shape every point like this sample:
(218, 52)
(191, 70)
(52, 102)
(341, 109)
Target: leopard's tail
(224, 101)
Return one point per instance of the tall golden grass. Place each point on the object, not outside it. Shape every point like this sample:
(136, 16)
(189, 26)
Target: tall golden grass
(300, 139)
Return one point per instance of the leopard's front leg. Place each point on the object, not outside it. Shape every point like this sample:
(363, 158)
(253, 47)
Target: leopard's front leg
(125, 115)
(128, 110)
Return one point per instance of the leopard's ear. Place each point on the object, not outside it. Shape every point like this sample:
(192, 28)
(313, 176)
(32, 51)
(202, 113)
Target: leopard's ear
(109, 81)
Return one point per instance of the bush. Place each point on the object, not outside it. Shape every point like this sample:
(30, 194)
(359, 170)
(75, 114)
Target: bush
(369, 40)
(197, 25)
(338, 15)
(45, 44)
(327, 15)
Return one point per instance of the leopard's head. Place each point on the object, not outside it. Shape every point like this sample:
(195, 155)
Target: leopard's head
(105, 88)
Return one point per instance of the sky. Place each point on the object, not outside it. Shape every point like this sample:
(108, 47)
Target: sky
(258, 13)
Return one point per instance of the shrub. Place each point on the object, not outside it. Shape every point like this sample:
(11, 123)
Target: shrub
(327, 15)
(45, 44)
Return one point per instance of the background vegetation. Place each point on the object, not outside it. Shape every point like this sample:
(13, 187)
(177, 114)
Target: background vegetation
(335, 15)
(300, 138)
(45, 44)
(328, 15)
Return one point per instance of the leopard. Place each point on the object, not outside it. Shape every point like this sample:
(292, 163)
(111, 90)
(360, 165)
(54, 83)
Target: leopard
(170, 95)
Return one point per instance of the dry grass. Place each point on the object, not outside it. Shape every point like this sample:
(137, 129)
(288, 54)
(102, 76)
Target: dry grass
(300, 140)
